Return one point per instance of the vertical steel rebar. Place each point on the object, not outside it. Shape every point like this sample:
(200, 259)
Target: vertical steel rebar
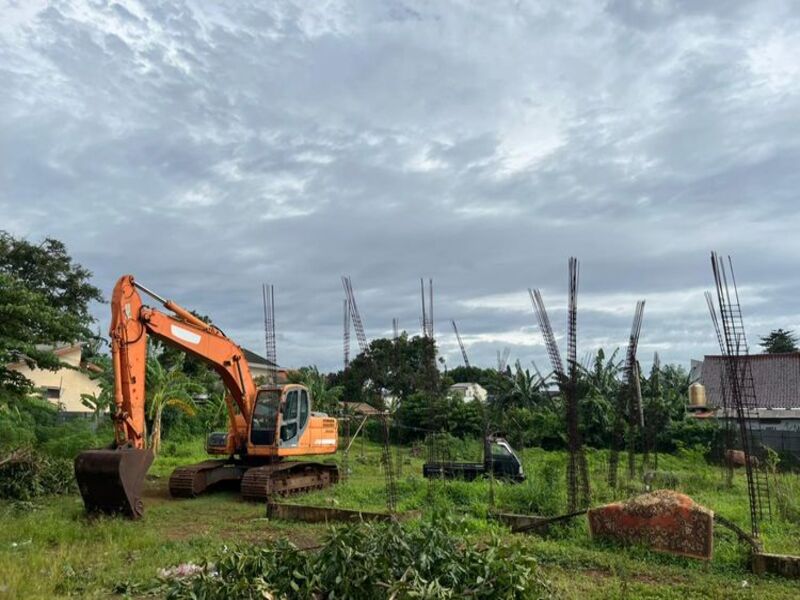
(740, 385)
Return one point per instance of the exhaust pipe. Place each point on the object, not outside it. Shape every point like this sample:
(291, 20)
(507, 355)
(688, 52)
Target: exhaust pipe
(111, 481)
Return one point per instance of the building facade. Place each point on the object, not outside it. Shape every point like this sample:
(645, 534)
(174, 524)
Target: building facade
(65, 386)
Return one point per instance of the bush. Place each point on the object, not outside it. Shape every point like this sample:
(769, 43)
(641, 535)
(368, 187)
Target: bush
(542, 493)
(367, 561)
(26, 474)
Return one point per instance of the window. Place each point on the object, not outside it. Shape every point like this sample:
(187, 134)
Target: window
(290, 408)
(499, 451)
(303, 408)
(264, 416)
(53, 393)
(289, 414)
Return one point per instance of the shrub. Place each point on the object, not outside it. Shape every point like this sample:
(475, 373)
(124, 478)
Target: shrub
(26, 474)
(366, 561)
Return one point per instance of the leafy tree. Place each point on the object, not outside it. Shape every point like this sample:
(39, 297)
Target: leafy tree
(167, 388)
(396, 367)
(488, 378)
(603, 378)
(27, 323)
(48, 270)
(44, 300)
(779, 341)
(422, 413)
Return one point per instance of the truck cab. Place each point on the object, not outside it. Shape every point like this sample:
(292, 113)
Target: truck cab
(501, 459)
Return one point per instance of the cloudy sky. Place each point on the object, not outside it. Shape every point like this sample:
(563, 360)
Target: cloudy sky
(207, 150)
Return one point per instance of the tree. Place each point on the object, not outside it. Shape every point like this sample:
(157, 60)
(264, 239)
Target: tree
(779, 341)
(397, 367)
(47, 269)
(27, 323)
(167, 387)
(44, 300)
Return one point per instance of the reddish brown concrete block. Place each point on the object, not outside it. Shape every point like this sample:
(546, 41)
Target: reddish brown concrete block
(664, 520)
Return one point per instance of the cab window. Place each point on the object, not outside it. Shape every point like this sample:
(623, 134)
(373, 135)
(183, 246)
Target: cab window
(499, 451)
(290, 408)
(303, 408)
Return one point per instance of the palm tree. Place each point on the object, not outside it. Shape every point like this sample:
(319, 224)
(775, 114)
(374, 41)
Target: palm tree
(167, 387)
(325, 398)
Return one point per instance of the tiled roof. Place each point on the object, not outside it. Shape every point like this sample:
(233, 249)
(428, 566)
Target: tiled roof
(255, 359)
(776, 378)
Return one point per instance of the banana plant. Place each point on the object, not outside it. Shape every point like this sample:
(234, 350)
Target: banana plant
(167, 387)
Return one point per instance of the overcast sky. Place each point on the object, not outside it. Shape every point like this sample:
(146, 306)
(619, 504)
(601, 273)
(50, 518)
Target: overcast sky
(207, 150)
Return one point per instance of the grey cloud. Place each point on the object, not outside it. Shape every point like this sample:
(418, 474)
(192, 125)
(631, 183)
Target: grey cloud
(209, 148)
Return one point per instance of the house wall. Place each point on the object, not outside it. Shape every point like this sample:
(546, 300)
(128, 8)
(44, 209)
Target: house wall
(71, 382)
(470, 392)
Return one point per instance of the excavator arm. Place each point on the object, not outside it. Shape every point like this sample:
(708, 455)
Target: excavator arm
(111, 480)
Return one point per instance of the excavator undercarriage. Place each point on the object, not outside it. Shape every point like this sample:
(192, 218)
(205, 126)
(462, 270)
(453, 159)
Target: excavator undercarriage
(287, 478)
(258, 483)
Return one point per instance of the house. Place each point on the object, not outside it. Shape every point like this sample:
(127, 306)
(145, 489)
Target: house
(775, 414)
(261, 367)
(469, 391)
(65, 386)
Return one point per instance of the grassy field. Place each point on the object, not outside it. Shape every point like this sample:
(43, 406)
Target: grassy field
(49, 548)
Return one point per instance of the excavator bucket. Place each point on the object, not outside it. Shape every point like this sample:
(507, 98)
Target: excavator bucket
(111, 481)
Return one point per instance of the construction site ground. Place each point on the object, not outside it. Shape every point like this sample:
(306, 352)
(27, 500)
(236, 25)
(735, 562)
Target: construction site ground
(49, 548)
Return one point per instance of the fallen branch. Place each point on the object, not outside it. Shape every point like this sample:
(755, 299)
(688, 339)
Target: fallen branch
(548, 521)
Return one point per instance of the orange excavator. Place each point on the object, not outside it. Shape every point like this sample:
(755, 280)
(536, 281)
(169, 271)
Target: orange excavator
(266, 424)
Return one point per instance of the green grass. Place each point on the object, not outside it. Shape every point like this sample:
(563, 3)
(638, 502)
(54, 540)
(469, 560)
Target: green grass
(50, 548)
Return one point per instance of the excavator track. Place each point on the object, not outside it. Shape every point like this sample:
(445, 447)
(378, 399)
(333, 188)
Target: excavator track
(193, 480)
(287, 478)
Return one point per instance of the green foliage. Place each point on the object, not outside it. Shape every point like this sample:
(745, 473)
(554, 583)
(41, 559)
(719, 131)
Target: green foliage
(26, 474)
(30, 421)
(44, 299)
(396, 367)
(366, 561)
(167, 388)
(421, 413)
(27, 323)
(324, 397)
(543, 491)
(525, 427)
(48, 270)
(779, 341)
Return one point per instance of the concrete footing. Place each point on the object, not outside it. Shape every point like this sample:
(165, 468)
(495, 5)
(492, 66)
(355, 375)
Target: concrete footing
(322, 514)
(776, 564)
